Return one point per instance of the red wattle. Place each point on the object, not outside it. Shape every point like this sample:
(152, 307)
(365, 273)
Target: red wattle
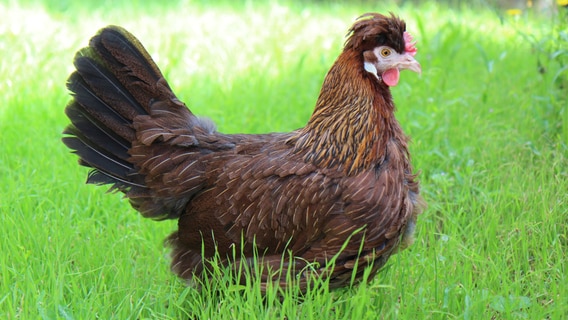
(391, 77)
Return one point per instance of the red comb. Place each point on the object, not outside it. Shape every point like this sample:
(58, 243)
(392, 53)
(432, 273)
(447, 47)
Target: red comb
(409, 44)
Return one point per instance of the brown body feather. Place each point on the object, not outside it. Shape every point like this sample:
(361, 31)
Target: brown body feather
(345, 176)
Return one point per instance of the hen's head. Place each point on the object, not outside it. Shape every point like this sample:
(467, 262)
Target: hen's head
(385, 46)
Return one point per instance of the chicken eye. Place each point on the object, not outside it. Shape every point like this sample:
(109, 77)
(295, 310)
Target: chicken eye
(385, 52)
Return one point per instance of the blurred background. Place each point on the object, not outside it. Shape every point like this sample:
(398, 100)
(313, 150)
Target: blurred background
(487, 118)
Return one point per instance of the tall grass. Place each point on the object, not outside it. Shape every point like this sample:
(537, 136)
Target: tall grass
(492, 244)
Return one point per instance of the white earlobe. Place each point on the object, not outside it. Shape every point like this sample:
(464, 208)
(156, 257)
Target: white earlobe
(370, 67)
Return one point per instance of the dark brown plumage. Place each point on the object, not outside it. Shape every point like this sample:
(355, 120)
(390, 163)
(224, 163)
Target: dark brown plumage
(342, 181)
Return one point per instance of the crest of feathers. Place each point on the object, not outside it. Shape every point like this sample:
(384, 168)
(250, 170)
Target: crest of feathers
(373, 28)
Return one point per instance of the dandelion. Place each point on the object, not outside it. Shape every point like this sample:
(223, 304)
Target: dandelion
(515, 12)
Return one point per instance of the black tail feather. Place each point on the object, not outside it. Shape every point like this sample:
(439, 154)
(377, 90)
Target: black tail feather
(118, 47)
(131, 64)
(106, 99)
(93, 157)
(94, 76)
(122, 104)
(96, 132)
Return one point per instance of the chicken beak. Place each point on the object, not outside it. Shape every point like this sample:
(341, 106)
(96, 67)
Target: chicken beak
(407, 62)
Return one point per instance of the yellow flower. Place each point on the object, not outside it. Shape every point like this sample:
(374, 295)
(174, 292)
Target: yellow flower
(562, 2)
(516, 12)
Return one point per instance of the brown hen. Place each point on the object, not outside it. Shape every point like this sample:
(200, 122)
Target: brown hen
(339, 189)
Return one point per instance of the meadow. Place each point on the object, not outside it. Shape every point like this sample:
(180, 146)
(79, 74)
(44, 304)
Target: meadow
(487, 117)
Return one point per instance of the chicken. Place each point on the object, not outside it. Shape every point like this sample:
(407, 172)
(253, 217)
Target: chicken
(328, 200)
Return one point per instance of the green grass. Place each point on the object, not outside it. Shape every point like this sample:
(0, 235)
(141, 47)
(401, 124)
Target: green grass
(488, 134)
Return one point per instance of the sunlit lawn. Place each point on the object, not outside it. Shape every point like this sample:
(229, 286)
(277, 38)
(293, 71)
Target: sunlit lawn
(488, 134)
